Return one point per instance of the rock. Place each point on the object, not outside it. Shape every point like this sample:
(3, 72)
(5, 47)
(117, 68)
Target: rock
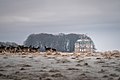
(114, 75)
(105, 76)
(22, 69)
(86, 64)
(73, 58)
(1, 75)
(40, 78)
(57, 75)
(72, 69)
(53, 70)
(26, 65)
(78, 65)
(98, 58)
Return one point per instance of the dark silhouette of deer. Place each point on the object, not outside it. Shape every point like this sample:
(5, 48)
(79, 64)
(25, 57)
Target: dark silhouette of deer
(17, 49)
(2, 48)
(34, 49)
(50, 49)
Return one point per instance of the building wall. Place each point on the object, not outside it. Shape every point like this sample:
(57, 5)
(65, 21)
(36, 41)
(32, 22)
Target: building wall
(83, 46)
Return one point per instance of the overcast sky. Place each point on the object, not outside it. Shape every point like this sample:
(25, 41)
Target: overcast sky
(99, 19)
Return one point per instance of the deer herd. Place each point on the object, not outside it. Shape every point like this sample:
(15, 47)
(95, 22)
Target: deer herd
(22, 48)
(17, 49)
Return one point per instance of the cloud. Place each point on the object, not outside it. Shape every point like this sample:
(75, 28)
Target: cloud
(95, 17)
(77, 11)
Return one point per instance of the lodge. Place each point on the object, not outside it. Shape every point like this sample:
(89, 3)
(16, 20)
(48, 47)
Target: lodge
(84, 45)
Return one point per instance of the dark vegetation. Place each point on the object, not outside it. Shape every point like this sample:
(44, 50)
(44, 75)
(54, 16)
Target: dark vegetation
(61, 42)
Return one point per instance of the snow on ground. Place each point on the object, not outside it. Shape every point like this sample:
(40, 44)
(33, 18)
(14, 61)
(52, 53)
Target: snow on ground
(59, 67)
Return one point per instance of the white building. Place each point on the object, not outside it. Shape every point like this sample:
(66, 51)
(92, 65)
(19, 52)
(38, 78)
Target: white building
(84, 45)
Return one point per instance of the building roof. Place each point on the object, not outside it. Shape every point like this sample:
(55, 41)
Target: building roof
(84, 40)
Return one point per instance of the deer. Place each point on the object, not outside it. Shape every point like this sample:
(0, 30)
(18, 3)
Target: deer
(50, 49)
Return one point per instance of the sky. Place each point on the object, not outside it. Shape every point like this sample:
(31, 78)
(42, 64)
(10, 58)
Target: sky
(99, 19)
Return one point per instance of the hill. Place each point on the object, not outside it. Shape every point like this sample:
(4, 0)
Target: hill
(61, 42)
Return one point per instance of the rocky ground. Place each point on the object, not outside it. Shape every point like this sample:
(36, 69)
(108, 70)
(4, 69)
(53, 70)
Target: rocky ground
(65, 66)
